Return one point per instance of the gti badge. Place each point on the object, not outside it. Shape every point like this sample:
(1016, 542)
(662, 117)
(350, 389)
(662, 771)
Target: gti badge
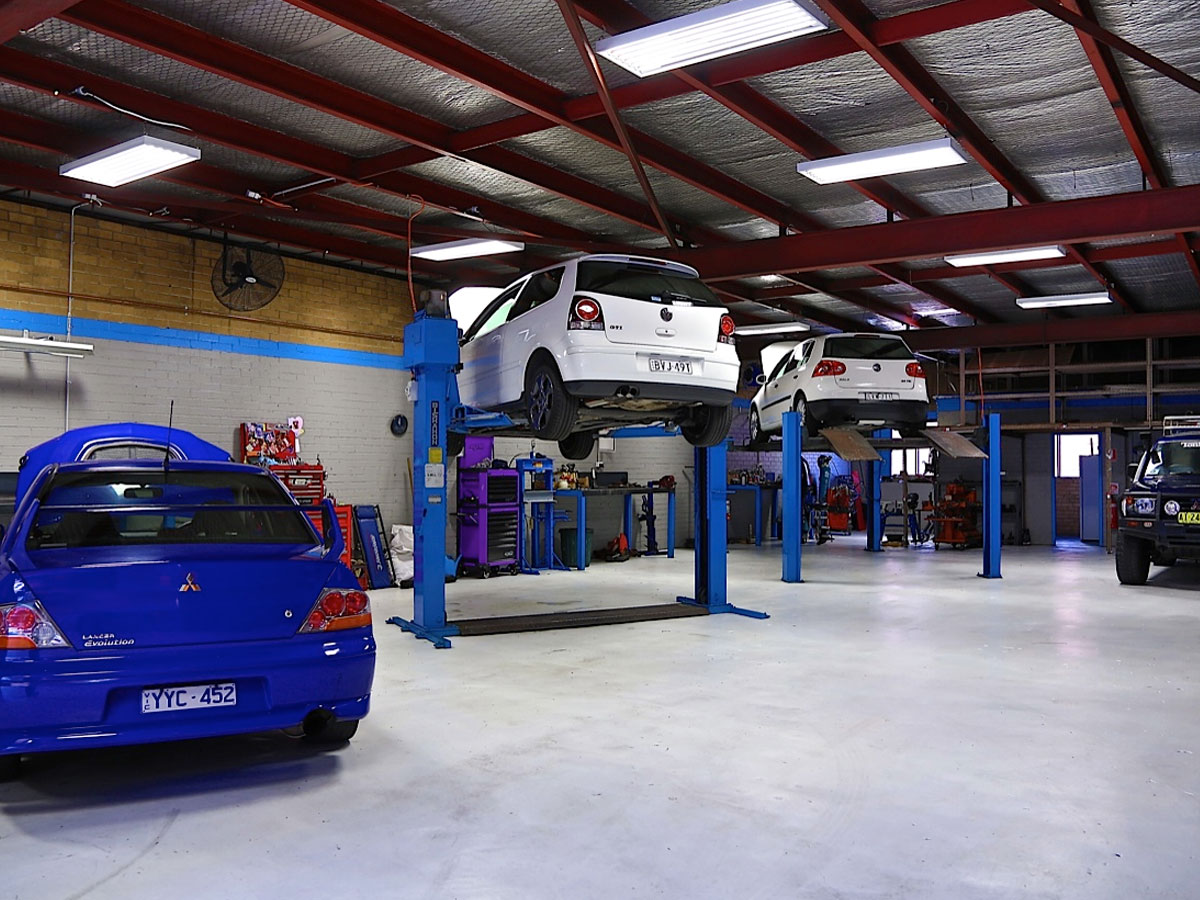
(189, 584)
(666, 314)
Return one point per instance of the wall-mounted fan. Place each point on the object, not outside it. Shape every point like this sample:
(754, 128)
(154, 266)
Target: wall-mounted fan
(244, 278)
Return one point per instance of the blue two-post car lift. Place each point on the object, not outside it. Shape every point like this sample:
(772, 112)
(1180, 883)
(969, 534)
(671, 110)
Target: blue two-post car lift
(431, 353)
(792, 491)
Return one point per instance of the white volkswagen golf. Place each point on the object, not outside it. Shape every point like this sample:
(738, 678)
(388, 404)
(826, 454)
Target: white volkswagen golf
(602, 341)
(841, 379)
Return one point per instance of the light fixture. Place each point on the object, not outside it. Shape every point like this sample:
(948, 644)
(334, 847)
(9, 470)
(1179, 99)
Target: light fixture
(50, 345)
(710, 33)
(889, 161)
(1050, 300)
(465, 248)
(1005, 256)
(771, 328)
(138, 158)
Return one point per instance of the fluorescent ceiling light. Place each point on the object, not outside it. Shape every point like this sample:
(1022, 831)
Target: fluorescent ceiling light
(710, 33)
(139, 158)
(1005, 256)
(889, 161)
(466, 248)
(773, 328)
(52, 346)
(1064, 300)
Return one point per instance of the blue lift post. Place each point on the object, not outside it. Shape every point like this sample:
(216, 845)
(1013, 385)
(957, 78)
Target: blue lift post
(431, 352)
(991, 500)
(712, 539)
(793, 493)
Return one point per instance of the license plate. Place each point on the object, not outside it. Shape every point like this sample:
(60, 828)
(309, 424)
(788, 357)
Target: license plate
(190, 696)
(675, 366)
(1189, 518)
(880, 395)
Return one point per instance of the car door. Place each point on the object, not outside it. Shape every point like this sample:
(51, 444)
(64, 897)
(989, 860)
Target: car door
(531, 324)
(481, 353)
(771, 414)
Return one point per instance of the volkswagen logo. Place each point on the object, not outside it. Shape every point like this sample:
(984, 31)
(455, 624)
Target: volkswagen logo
(666, 314)
(877, 367)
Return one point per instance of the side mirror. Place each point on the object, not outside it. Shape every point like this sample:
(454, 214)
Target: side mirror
(1131, 471)
(760, 379)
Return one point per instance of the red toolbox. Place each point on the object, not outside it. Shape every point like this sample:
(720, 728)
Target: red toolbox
(305, 482)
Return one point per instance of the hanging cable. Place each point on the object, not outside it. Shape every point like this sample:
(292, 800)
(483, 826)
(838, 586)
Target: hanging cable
(411, 293)
(88, 95)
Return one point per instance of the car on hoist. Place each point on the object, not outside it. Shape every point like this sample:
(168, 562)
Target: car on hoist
(161, 598)
(602, 341)
(871, 380)
(1159, 512)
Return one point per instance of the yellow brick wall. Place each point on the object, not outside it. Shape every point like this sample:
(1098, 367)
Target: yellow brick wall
(144, 277)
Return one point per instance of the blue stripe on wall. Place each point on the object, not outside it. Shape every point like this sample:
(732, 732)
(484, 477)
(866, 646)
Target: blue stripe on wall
(43, 323)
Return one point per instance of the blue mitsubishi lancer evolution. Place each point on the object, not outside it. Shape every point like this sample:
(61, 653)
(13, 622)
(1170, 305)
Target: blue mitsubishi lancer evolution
(169, 597)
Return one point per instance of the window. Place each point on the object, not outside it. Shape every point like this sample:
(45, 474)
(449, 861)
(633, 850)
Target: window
(467, 303)
(496, 313)
(867, 347)
(1172, 458)
(121, 507)
(641, 281)
(783, 361)
(911, 462)
(1068, 448)
(538, 289)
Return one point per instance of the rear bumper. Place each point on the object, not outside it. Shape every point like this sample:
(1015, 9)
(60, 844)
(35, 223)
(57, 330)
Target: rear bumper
(595, 370)
(652, 390)
(60, 700)
(901, 413)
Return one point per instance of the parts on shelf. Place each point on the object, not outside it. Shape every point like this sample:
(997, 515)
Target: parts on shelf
(957, 517)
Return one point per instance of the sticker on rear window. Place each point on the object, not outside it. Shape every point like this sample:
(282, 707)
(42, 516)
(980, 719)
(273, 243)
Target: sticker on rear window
(656, 298)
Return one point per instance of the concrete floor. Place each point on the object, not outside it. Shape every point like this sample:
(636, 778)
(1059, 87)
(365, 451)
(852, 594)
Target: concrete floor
(897, 728)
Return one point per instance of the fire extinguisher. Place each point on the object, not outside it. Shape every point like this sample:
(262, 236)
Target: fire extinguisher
(1112, 512)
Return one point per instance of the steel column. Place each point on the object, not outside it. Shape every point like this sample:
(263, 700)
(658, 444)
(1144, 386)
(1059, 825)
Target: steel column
(793, 497)
(991, 500)
(874, 506)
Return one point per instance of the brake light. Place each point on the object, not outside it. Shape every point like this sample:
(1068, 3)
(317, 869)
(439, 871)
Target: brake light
(914, 370)
(586, 315)
(829, 367)
(26, 626)
(337, 610)
(725, 330)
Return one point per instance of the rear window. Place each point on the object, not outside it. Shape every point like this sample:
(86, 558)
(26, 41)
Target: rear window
(643, 282)
(867, 347)
(120, 508)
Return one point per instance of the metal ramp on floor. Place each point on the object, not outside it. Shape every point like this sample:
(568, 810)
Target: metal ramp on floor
(850, 445)
(954, 444)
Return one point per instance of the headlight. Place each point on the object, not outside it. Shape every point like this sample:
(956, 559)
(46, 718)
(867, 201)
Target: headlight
(1138, 506)
(1171, 507)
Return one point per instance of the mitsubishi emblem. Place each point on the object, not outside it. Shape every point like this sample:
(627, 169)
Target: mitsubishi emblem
(189, 584)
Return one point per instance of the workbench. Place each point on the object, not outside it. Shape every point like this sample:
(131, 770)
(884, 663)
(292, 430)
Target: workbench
(580, 496)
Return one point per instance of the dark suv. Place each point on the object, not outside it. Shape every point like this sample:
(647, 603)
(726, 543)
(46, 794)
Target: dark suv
(1160, 510)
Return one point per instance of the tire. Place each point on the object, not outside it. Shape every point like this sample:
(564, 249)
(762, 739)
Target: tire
(578, 445)
(329, 731)
(1133, 559)
(10, 768)
(456, 443)
(551, 410)
(708, 426)
(756, 435)
(810, 426)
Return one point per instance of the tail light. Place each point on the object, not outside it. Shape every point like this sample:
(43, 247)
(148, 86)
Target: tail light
(914, 370)
(586, 315)
(337, 610)
(26, 626)
(829, 367)
(725, 331)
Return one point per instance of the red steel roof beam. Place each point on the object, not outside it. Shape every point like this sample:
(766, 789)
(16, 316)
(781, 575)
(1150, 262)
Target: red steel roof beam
(18, 15)
(854, 19)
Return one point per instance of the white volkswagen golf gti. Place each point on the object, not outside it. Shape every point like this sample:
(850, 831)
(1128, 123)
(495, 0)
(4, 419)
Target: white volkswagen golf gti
(603, 341)
(841, 379)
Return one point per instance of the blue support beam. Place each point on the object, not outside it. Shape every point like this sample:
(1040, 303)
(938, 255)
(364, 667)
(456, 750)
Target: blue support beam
(793, 495)
(712, 539)
(431, 347)
(991, 500)
(874, 488)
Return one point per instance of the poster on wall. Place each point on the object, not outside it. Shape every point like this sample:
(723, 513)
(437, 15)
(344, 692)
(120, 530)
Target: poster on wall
(272, 443)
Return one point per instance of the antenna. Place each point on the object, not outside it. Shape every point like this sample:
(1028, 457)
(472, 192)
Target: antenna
(167, 454)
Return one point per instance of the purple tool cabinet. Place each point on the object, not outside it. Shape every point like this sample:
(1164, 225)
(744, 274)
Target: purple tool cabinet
(489, 521)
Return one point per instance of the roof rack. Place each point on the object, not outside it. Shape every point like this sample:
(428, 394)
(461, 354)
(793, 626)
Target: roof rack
(1176, 424)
